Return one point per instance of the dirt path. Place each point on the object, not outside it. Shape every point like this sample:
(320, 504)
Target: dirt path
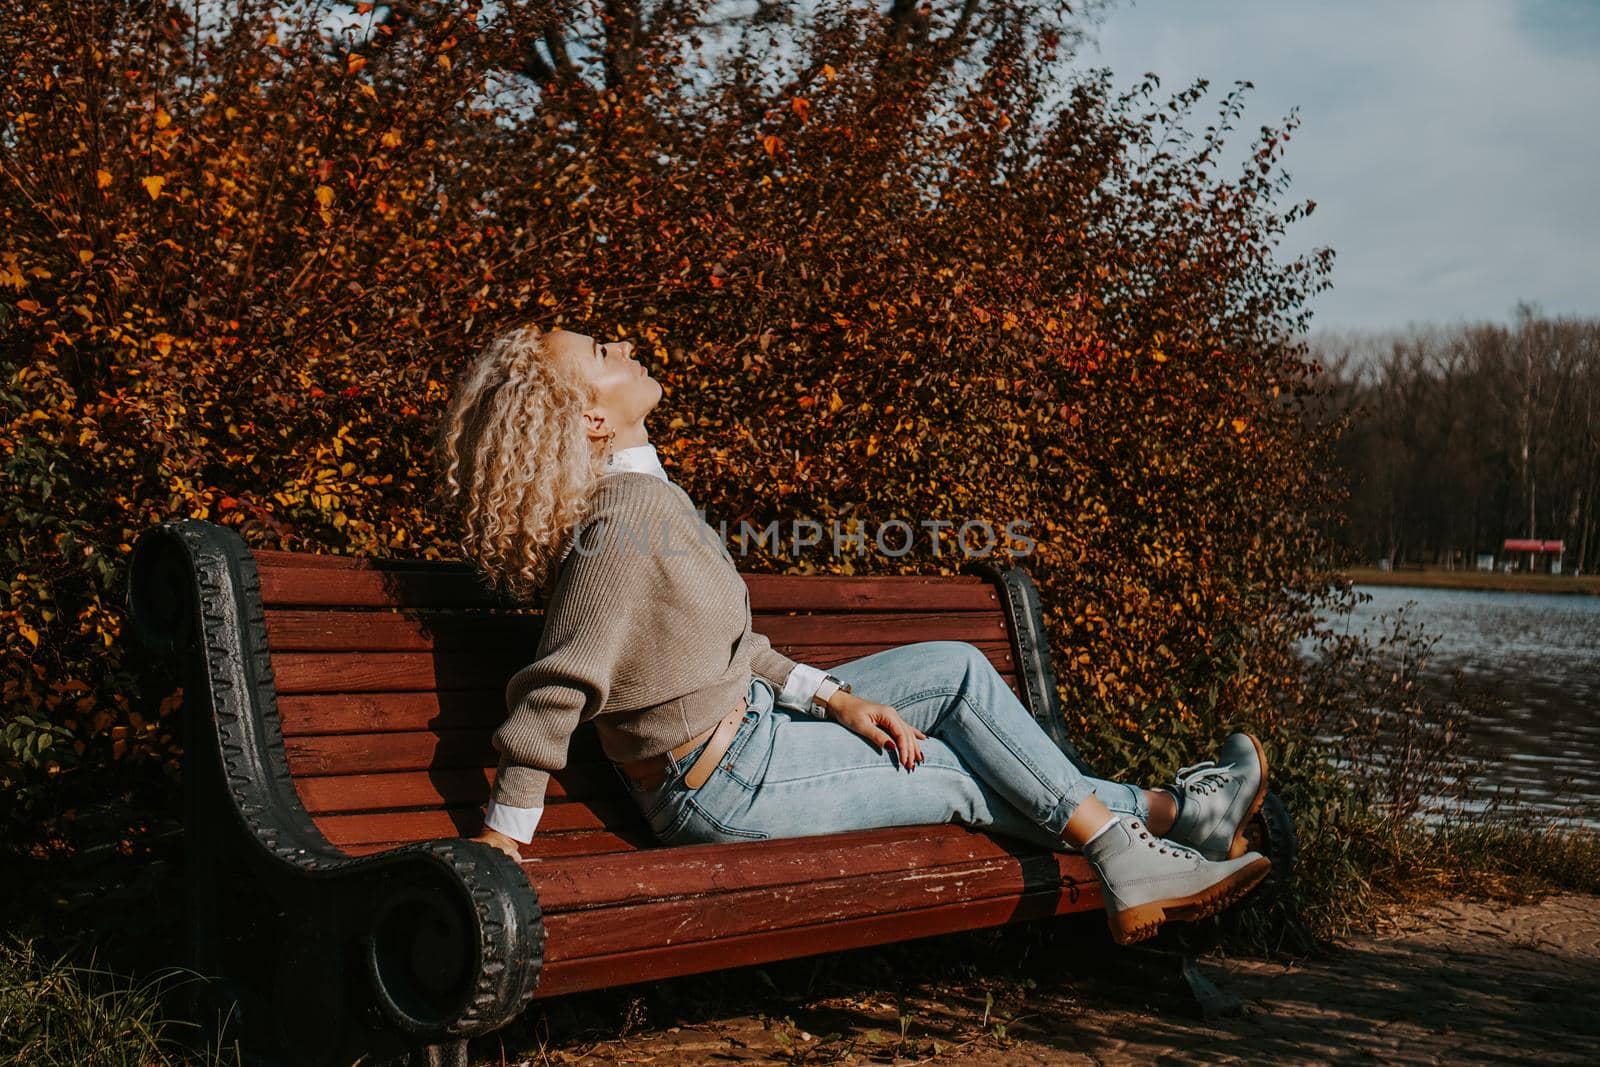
(1453, 983)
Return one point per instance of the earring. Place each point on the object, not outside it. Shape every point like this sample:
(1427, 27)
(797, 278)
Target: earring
(609, 436)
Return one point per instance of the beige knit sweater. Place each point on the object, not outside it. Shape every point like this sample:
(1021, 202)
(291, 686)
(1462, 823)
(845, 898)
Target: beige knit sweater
(646, 632)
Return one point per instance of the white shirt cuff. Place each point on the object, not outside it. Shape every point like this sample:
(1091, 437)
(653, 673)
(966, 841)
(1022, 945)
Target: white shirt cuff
(800, 687)
(516, 823)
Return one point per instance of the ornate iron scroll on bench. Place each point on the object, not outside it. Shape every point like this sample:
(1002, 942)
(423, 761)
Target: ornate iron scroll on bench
(339, 714)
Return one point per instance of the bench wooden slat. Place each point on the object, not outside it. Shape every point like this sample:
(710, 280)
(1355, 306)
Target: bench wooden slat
(547, 845)
(345, 794)
(361, 713)
(467, 819)
(365, 672)
(699, 870)
(658, 920)
(650, 964)
(293, 579)
(320, 755)
(298, 630)
(365, 753)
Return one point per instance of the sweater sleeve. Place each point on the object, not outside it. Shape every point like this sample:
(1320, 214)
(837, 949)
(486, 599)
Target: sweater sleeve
(767, 662)
(588, 622)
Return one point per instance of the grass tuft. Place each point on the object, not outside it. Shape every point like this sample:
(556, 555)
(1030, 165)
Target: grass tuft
(53, 1013)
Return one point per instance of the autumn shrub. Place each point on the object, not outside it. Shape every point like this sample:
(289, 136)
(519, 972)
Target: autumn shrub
(909, 266)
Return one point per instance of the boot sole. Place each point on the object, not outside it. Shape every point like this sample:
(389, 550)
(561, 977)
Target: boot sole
(1141, 922)
(1239, 846)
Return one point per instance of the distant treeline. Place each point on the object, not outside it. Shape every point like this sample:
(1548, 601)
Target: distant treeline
(1460, 437)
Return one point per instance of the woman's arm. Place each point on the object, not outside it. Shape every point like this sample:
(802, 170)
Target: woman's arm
(589, 621)
(796, 683)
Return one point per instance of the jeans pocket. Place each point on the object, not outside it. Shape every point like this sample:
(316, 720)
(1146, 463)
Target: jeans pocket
(718, 828)
(747, 759)
(673, 819)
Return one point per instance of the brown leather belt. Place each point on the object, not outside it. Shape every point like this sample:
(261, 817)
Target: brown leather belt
(650, 772)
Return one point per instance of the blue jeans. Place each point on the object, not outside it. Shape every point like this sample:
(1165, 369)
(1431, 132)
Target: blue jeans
(787, 774)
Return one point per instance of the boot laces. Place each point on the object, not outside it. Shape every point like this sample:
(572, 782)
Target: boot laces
(1161, 844)
(1204, 777)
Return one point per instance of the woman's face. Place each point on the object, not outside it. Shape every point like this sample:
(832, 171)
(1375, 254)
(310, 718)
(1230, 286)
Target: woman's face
(624, 392)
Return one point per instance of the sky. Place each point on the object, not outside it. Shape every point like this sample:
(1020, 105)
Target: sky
(1452, 146)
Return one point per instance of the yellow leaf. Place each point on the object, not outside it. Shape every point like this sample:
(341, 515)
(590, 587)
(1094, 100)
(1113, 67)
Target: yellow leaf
(85, 255)
(163, 120)
(102, 178)
(390, 139)
(153, 184)
(163, 343)
(30, 633)
(836, 403)
(1239, 425)
(324, 196)
(1159, 356)
(444, 61)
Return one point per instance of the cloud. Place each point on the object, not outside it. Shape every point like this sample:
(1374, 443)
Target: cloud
(1452, 146)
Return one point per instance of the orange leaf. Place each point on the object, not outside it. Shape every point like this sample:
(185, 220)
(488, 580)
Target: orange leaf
(771, 142)
(1239, 425)
(102, 178)
(153, 184)
(354, 63)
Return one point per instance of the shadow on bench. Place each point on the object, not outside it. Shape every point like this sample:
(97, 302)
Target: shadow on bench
(337, 739)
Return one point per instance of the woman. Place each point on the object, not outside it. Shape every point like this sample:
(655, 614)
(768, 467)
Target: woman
(647, 634)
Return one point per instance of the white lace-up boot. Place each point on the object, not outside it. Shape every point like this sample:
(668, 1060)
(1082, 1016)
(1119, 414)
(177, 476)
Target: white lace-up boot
(1147, 880)
(1218, 797)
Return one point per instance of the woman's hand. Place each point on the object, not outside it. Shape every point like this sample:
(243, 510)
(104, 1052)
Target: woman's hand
(505, 844)
(879, 723)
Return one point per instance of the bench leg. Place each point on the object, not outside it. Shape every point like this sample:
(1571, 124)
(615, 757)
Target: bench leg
(448, 1054)
(445, 1054)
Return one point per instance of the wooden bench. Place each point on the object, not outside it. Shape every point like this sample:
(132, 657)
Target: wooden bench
(338, 748)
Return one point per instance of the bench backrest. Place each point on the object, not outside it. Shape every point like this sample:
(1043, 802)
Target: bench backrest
(390, 679)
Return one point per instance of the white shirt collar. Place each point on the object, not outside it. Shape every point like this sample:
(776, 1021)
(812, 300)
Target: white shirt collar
(641, 458)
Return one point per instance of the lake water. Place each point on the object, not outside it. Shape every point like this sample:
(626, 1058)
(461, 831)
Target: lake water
(1540, 655)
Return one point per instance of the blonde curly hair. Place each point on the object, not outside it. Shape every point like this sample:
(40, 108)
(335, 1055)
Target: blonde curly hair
(514, 458)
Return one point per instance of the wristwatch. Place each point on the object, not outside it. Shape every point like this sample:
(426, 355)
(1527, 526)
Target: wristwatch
(830, 685)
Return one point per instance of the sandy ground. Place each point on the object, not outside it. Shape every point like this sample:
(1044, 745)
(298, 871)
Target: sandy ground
(1450, 983)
